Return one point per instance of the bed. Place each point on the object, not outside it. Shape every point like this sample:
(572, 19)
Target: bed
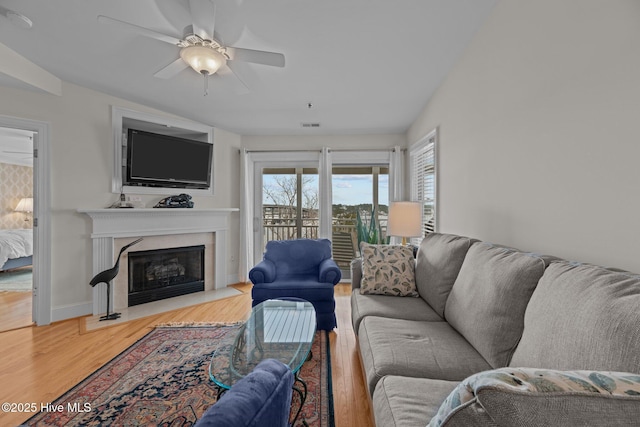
(16, 248)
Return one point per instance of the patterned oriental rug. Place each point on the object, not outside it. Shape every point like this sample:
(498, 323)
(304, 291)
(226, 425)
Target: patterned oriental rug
(163, 380)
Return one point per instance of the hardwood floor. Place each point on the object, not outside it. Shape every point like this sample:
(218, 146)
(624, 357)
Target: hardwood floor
(15, 310)
(38, 364)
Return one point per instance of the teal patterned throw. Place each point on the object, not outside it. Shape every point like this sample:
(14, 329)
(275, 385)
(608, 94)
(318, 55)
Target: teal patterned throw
(537, 382)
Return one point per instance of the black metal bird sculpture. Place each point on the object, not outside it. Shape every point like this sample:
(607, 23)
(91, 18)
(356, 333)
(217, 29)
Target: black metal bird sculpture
(107, 276)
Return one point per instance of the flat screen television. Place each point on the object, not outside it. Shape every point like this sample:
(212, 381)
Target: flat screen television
(155, 160)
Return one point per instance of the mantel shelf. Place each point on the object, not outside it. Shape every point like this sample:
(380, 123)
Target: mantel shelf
(161, 211)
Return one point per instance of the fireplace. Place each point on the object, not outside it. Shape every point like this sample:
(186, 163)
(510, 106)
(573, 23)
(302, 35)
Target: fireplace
(165, 273)
(161, 228)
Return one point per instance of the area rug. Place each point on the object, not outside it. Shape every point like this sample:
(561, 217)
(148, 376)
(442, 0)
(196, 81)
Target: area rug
(163, 380)
(16, 280)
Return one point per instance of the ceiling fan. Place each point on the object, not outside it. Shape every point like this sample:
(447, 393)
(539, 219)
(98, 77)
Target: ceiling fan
(200, 48)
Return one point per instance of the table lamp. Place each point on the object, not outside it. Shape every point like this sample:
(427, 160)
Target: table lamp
(25, 205)
(405, 220)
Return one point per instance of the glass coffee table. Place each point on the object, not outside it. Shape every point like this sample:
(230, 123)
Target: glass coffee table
(276, 329)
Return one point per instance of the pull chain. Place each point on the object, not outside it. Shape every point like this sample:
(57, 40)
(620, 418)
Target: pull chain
(206, 83)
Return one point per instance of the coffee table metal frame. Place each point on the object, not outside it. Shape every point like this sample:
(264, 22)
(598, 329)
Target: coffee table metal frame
(281, 329)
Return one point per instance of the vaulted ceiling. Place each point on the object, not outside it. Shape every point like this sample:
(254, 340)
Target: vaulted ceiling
(365, 66)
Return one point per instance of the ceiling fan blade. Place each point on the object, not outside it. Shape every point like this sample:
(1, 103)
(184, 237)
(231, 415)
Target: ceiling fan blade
(203, 14)
(16, 152)
(256, 56)
(138, 29)
(227, 70)
(172, 69)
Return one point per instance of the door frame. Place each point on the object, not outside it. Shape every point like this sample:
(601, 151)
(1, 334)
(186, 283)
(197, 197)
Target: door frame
(41, 214)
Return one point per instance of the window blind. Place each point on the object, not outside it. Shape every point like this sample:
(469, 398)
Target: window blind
(423, 181)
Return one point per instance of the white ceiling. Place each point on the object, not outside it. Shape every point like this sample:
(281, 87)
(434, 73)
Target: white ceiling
(367, 66)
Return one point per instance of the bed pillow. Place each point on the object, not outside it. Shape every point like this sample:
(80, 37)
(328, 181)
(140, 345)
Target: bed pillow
(388, 270)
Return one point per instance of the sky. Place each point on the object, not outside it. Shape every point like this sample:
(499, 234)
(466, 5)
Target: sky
(351, 189)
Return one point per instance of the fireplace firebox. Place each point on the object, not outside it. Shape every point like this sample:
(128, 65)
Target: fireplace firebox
(165, 273)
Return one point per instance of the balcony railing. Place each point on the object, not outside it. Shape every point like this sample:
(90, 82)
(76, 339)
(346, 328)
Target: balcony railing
(344, 236)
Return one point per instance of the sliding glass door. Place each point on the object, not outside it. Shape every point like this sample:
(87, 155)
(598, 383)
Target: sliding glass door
(319, 194)
(289, 204)
(360, 199)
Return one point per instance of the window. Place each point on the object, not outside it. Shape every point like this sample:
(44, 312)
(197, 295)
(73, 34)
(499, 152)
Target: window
(289, 203)
(422, 157)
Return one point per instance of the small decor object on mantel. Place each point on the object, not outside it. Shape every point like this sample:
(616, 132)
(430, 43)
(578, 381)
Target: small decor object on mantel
(179, 201)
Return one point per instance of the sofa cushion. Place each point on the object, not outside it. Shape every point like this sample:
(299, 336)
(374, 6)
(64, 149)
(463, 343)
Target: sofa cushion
(388, 306)
(489, 297)
(408, 402)
(582, 317)
(388, 270)
(438, 262)
(415, 349)
(533, 397)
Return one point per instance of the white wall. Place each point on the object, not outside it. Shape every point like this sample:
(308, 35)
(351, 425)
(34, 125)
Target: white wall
(81, 165)
(539, 125)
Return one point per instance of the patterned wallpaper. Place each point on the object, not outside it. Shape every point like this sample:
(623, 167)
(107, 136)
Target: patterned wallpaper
(16, 182)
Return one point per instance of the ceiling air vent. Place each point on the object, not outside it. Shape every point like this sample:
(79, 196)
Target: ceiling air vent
(310, 125)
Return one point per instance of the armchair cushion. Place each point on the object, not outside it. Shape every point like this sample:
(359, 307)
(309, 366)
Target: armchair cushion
(300, 257)
(534, 397)
(261, 398)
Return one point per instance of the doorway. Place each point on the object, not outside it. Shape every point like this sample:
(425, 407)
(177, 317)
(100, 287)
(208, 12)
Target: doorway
(24, 220)
(16, 227)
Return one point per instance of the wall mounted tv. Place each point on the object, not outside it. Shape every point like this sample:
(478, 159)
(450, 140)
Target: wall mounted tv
(155, 160)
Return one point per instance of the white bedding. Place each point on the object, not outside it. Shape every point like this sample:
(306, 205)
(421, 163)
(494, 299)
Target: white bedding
(15, 244)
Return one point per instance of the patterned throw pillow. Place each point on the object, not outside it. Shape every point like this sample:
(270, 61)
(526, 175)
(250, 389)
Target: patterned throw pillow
(569, 385)
(388, 270)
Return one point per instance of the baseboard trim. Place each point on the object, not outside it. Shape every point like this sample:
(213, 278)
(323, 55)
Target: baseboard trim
(232, 279)
(71, 311)
(86, 309)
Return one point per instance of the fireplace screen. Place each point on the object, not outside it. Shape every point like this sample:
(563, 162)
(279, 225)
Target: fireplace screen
(165, 273)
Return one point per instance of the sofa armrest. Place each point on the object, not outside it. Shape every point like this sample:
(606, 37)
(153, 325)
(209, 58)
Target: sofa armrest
(329, 272)
(356, 273)
(530, 396)
(263, 272)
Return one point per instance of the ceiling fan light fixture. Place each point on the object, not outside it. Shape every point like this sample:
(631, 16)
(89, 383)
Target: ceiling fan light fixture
(204, 60)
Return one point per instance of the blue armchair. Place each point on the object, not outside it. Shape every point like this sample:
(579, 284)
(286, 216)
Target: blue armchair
(301, 268)
(262, 398)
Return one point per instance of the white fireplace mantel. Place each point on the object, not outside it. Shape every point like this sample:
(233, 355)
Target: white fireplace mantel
(109, 224)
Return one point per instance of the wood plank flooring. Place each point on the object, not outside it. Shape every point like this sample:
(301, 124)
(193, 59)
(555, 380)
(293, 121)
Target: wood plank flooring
(38, 364)
(15, 310)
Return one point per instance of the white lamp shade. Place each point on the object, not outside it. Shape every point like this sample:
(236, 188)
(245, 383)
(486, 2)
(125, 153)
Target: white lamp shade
(405, 219)
(204, 60)
(25, 205)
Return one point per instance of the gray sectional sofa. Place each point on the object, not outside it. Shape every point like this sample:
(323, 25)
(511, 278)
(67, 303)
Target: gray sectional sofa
(501, 337)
